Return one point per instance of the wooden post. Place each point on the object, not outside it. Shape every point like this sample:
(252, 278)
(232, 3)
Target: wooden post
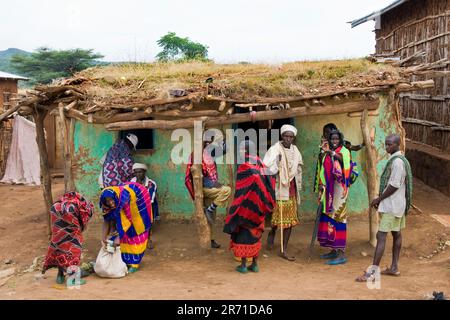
(372, 177)
(203, 227)
(46, 181)
(65, 123)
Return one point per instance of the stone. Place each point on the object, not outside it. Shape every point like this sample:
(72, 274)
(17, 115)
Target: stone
(9, 261)
(364, 254)
(447, 243)
(7, 273)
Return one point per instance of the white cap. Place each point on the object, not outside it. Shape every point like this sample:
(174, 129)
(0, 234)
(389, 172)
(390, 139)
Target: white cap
(140, 166)
(288, 127)
(133, 139)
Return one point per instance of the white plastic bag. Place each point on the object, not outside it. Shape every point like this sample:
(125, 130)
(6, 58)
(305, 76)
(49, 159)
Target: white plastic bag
(110, 265)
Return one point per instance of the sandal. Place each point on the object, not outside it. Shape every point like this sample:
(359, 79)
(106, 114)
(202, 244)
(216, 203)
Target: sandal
(241, 269)
(329, 255)
(253, 268)
(60, 279)
(389, 272)
(132, 270)
(285, 256)
(336, 261)
(366, 276)
(74, 282)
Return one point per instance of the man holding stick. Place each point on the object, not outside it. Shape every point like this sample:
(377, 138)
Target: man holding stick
(285, 161)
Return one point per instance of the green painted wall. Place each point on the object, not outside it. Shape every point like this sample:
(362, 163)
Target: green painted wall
(93, 141)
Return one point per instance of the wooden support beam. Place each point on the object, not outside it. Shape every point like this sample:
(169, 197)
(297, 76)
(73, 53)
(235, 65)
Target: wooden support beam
(413, 86)
(39, 117)
(343, 108)
(65, 132)
(203, 228)
(372, 177)
(9, 112)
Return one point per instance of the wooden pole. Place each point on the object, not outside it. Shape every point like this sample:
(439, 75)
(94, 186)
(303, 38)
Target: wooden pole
(372, 177)
(39, 117)
(68, 181)
(203, 227)
(246, 117)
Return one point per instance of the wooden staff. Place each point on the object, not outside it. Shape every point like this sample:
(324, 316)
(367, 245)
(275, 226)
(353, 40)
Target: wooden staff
(280, 207)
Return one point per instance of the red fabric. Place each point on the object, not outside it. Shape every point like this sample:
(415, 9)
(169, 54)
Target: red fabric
(246, 250)
(253, 187)
(209, 170)
(69, 217)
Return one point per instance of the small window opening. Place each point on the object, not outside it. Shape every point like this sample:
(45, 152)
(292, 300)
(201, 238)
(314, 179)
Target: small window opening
(145, 138)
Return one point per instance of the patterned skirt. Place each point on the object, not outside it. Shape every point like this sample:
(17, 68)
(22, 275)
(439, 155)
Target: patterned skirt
(288, 217)
(332, 234)
(246, 243)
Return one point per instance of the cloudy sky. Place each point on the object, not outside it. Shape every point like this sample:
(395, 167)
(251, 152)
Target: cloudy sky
(269, 31)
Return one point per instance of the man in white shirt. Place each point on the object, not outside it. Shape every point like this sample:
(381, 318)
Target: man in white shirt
(392, 204)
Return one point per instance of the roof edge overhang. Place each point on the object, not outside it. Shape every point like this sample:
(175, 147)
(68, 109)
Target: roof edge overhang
(376, 14)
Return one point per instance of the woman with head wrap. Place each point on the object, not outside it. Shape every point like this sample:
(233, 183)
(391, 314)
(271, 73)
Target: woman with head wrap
(69, 218)
(127, 214)
(285, 161)
(118, 163)
(334, 181)
(254, 198)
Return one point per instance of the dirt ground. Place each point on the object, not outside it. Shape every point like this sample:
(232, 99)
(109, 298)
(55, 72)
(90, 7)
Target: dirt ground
(177, 269)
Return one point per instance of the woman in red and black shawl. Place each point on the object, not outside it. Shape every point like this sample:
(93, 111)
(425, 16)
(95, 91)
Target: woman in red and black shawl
(69, 218)
(253, 199)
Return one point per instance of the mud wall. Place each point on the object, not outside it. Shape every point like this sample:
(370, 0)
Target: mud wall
(92, 142)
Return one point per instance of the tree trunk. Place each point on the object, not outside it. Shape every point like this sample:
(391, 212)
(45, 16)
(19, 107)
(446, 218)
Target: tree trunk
(372, 177)
(46, 181)
(196, 170)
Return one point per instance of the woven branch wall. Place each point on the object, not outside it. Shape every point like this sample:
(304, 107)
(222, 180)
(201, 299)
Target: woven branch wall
(414, 27)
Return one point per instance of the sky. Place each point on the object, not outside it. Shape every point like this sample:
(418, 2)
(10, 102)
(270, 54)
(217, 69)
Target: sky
(259, 31)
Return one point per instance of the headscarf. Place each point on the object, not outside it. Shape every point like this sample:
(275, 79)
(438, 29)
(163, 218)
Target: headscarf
(288, 128)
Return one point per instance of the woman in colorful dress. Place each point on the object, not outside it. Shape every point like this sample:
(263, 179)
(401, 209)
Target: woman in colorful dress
(69, 218)
(335, 177)
(118, 164)
(254, 198)
(128, 216)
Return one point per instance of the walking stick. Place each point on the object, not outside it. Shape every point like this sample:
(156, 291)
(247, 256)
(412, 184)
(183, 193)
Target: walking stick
(280, 208)
(315, 230)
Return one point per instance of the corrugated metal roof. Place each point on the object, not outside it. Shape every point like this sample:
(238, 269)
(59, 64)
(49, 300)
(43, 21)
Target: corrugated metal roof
(6, 75)
(376, 14)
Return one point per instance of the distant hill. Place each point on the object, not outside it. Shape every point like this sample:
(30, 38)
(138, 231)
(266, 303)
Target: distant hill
(5, 57)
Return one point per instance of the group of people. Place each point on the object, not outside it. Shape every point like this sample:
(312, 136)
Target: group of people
(268, 186)
(129, 206)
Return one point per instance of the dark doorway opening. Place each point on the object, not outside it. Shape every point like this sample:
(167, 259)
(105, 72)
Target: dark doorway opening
(145, 138)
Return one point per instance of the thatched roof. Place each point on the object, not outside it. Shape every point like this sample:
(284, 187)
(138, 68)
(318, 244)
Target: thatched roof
(130, 92)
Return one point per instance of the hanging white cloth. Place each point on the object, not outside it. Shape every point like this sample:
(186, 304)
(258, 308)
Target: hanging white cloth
(23, 164)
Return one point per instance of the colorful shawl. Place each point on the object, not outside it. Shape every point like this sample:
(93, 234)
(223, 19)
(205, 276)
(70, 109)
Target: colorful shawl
(254, 198)
(332, 170)
(209, 170)
(69, 218)
(409, 179)
(133, 217)
(118, 165)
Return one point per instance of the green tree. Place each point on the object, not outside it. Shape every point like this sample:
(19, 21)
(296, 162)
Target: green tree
(175, 48)
(46, 64)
